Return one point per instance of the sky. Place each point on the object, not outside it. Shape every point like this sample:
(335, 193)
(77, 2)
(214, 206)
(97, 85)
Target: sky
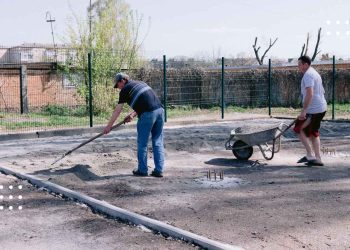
(198, 28)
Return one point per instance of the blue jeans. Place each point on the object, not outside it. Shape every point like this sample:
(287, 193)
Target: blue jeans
(150, 123)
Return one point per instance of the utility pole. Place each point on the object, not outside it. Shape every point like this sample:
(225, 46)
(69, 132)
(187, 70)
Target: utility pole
(90, 17)
(90, 20)
(50, 20)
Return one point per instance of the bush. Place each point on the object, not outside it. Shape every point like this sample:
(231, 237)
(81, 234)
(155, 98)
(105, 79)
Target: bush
(55, 110)
(80, 111)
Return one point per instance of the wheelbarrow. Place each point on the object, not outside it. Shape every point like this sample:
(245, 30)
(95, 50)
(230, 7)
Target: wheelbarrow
(267, 138)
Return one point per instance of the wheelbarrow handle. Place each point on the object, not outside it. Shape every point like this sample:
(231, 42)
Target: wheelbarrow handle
(288, 127)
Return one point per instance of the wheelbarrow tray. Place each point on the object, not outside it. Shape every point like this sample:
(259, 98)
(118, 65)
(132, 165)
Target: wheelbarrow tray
(258, 135)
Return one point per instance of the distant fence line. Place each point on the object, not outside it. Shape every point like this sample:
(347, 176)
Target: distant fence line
(29, 87)
(189, 86)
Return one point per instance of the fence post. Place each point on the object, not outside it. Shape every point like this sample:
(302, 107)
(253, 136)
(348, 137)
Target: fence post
(333, 90)
(222, 87)
(269, 87)
(90, 90)
(165, 88)
(23, 89)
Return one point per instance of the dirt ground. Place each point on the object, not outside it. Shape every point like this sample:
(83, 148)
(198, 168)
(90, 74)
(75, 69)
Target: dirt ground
(259, 204)
(41, 221)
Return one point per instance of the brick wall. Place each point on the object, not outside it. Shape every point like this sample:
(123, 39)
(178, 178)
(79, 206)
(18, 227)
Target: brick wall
(43, 88)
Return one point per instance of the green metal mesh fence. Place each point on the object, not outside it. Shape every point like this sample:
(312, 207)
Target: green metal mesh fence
(246, 87)
(50, 90)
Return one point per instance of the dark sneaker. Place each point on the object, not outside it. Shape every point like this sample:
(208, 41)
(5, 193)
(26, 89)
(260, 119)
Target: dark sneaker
(156, 174)
(302, 160)
(305, 159)
(314, 163)
(136, 172)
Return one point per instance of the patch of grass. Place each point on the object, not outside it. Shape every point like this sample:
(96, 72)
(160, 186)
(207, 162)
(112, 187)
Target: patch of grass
(39, 120)
(20, 125)
(340, 107)
(55, 110)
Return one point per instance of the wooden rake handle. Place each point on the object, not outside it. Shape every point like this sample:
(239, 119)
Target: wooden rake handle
(86, 142)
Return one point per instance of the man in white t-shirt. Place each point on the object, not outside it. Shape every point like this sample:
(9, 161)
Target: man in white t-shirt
(314, 108)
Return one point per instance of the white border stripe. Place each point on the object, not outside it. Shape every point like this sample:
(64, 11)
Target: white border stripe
(138, 95)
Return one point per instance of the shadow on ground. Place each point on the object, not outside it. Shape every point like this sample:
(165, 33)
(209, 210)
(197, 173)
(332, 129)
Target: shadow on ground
(298, 172)
(80, 171)
(225, 162)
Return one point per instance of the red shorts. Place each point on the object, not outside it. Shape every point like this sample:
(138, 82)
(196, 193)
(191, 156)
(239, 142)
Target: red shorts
(313, 127)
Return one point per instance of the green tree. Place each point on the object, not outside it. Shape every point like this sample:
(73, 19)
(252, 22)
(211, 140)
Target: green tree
(112, 36)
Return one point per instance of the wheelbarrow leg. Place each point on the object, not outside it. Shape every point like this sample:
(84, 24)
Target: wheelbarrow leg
(263, 151)
(278, 148)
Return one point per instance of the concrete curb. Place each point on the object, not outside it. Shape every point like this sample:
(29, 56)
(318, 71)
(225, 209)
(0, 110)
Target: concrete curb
(51, 133)
(116, 212)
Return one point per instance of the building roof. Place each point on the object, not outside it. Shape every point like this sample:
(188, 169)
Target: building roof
(35, 45)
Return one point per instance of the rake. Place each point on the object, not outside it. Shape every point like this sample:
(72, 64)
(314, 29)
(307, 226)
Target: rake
(86, 142)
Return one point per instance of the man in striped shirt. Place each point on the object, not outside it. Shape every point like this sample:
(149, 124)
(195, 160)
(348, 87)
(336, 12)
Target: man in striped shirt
(146, 105)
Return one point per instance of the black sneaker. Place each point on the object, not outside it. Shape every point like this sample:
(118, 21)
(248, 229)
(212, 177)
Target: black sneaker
(156, 174)
(136, 172)
(314, 163)
(302, 160)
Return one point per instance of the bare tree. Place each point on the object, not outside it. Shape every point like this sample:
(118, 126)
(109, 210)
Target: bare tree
(256, 50)
(325, 57)
(305, 47)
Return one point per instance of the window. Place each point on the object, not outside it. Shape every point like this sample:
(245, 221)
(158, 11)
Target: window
(50, 55)
(26, 56)
(72, 80)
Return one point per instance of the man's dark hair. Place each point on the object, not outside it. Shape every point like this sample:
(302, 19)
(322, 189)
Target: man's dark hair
(305, 59)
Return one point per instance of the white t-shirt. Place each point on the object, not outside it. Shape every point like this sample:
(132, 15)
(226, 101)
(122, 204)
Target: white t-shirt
(313, 79)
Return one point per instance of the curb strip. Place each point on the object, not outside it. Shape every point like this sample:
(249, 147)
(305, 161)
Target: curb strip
(116, 212)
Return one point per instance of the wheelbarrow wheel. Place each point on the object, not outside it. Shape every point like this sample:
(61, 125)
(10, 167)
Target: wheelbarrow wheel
(242, 153)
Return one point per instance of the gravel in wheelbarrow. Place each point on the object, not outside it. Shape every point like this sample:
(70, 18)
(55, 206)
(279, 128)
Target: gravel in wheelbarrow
(253, 135)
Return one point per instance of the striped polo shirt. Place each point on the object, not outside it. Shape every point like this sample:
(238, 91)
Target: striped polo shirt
(139, 96)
